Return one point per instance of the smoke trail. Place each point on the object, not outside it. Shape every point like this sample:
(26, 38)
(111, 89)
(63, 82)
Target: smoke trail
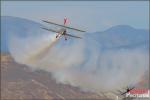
(43, 51)
(80, 62)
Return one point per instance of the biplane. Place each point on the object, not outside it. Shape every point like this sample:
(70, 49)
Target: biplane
(63, 30)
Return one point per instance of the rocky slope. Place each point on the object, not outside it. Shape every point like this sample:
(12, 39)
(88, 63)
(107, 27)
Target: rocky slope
(20, 82)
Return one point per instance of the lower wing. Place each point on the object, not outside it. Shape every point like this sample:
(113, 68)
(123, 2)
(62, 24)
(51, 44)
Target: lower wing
(50, 30)
(73, 36)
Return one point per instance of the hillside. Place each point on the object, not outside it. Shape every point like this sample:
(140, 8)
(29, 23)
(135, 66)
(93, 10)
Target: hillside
(19, 82)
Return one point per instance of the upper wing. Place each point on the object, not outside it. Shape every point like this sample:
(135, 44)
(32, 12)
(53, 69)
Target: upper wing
(63, 26)
(73, 36)
(50, 30)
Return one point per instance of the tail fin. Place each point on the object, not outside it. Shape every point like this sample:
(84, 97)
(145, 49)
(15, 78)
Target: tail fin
(65, 21)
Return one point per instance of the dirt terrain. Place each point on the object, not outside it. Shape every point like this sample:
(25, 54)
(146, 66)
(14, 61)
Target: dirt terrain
(19, 82)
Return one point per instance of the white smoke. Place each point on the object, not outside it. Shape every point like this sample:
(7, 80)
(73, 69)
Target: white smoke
(80, 62)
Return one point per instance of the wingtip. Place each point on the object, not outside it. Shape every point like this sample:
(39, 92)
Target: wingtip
(42, 27)
(80, 38)
(83, 31)
(43, 21)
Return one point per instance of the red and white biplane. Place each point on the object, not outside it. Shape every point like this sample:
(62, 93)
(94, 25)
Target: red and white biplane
(63, 30)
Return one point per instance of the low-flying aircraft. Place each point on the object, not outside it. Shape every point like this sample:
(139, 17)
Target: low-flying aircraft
(63, 30)
(128, 89)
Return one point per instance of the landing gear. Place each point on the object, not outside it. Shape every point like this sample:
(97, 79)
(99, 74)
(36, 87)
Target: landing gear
(65, 37)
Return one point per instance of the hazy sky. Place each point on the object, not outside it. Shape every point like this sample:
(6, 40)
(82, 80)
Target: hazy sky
(88, 15)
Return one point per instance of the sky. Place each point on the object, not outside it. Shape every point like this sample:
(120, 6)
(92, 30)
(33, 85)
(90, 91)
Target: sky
(91, 16)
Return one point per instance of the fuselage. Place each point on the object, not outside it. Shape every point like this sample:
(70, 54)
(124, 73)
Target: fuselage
(62, 31)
